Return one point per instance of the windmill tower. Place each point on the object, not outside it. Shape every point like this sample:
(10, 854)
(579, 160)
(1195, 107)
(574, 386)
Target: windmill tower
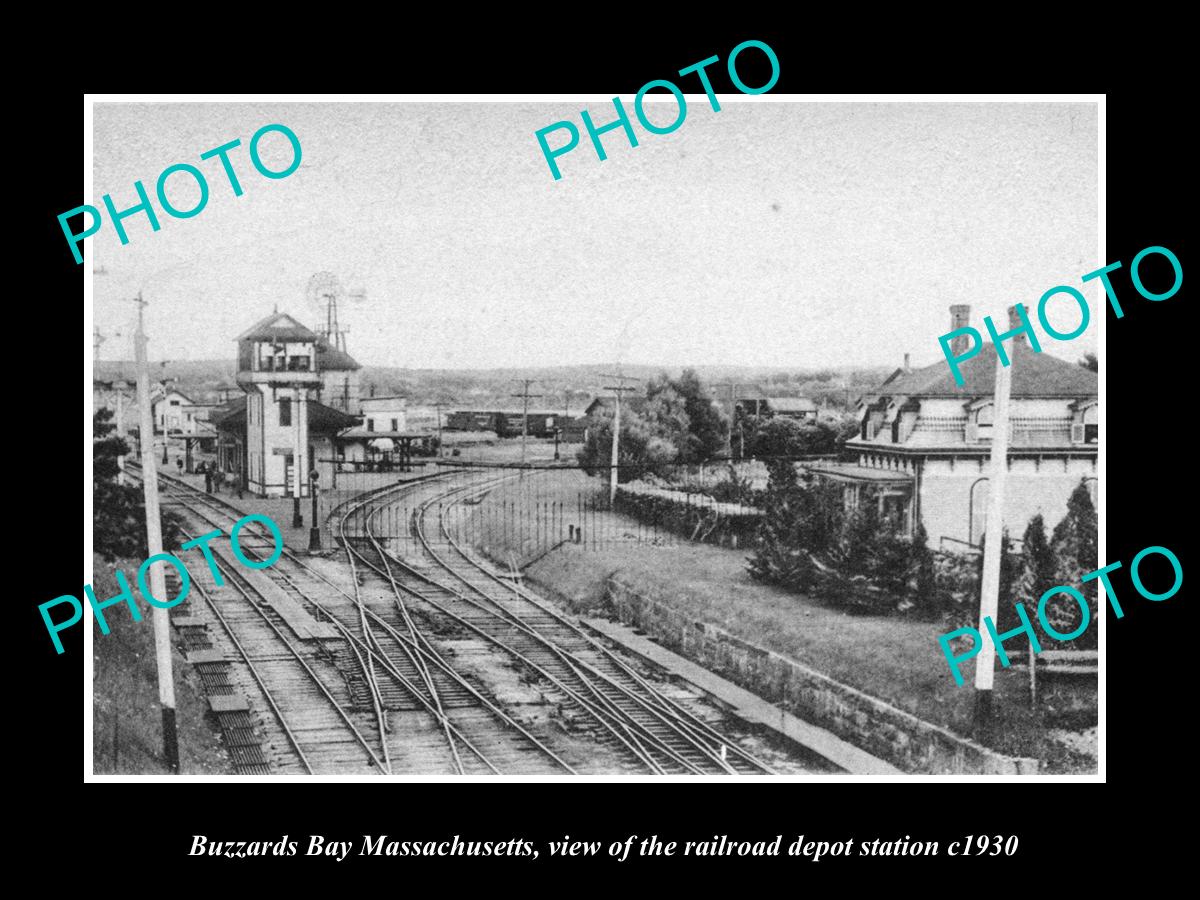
(339, 372)
(324, 291)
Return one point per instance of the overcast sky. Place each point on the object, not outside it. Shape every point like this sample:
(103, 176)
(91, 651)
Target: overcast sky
(769, 233)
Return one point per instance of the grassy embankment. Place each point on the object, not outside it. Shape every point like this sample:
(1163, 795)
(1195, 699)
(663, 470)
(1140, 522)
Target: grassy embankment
(895, 658)
(127, 717)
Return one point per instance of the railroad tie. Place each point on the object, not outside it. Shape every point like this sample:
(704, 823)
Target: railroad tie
(230, 708)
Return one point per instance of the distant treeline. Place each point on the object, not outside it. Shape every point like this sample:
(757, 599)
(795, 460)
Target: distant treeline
(567, 389)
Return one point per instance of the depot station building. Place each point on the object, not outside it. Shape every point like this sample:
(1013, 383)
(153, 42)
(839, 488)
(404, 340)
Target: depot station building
(924, 442)
(301, 411)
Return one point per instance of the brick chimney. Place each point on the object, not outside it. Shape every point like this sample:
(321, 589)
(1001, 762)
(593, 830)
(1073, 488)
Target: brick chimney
(960, 317)
(907, 366)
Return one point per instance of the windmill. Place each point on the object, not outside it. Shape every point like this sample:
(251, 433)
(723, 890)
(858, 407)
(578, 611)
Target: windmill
(324, 292)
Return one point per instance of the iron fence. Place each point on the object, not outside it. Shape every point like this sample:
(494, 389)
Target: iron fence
(517, 513)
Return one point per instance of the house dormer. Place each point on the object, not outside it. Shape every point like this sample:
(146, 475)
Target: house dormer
(873, 417)
(904, 418)
(1085, 421)
(981, 418)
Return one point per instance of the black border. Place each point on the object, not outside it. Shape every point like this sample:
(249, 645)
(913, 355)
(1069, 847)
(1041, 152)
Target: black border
(1148, 414)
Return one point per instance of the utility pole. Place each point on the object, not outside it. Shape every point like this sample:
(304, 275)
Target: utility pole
(161, 617)
(618, 389)
(985, 662)
(525, 412)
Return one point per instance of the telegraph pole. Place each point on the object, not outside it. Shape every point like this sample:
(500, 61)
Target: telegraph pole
(618, 389)
(993, 549)
(525, 412)
(160, 617)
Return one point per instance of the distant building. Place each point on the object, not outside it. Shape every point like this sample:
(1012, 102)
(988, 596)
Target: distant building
(385, 414)
(603, 406)
(168, 410)
(924, 442)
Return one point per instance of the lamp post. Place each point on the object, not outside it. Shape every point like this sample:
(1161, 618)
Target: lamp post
(314, 531)
(297, 478)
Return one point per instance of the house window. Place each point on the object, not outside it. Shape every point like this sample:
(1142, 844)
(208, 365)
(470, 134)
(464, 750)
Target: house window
(395, 425)
(285, 410)
(174, 402)
(297, 363)
(1091, 425)
(370, 424)
(984, 420)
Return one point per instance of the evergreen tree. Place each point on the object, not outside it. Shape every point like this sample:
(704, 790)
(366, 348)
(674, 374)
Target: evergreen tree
(1038, 566)
(118, 513)
(1076, 551)
(799, 521)
(925, 592)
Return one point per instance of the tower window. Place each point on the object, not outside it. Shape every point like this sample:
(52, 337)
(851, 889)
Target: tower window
(285, 410)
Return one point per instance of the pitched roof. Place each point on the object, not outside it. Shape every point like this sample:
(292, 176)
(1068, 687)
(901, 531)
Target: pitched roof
(231, 414)
(156, 396)
(331, 359)
(326, 418)
(637, 404)
(1033, 375)
(277, 327)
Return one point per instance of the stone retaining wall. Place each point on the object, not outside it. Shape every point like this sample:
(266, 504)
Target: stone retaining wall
(877, 727)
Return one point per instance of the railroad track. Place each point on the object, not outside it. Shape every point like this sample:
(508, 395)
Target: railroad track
(451, 592)
(425, 715)
(312, 727)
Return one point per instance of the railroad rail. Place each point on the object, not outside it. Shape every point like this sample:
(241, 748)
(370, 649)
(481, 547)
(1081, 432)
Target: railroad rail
(392, 671)
(455, 591)
(390, 664)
